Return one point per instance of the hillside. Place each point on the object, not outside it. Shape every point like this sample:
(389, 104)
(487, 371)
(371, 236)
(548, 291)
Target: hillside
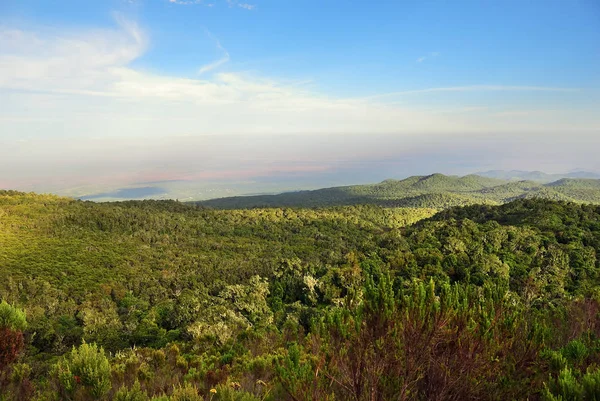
(434, 191)
(168, 301)
(537, 176)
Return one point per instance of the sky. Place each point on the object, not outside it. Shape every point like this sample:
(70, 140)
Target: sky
(99, 95)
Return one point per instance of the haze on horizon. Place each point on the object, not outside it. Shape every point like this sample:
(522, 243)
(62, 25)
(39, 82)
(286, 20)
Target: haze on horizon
(105, 94)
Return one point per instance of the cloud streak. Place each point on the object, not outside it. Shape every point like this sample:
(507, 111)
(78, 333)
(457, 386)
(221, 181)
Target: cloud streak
(185, 2)
(230, 3)
(246, 6)
(475, 88)
(216, 64)
(429, 56)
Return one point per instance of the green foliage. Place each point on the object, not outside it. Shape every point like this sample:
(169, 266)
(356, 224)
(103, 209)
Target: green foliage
(135, 393)
(20, 372)
(11, 317)
(187, 392)
(575, 351)
(229, 393)
(352, 302)
(86, 367)
(570, 388)
(591, 385)
(297, 373)
(566, 387)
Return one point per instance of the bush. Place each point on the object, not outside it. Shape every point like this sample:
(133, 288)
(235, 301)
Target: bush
(11, 317)
(565, 387)
(591, 385)
(188, 392)
(575, 351)
(12, 324)
(86, 368)
(11, 344)
(226, 393)
(134, 393)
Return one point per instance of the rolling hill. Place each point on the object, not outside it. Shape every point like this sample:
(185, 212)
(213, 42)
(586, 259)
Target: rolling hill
(168, 301)
(538, 176)
(433, 191)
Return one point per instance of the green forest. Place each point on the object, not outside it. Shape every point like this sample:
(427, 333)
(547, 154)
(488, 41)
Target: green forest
(440, 296)
(436, 191)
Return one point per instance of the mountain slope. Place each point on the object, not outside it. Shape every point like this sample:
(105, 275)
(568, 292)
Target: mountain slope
(538, 176)
(434, 191)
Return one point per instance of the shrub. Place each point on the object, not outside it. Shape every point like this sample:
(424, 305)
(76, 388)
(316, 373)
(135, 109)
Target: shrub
(12, 324)
(86, 367)
(591, 385)
(575, 351)
(188, 392)
(226, 393)
(565, 387)
(11, 317)
(134, 393)
(11, 344)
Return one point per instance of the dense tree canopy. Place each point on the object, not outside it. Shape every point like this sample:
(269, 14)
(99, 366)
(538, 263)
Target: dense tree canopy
(168, 301)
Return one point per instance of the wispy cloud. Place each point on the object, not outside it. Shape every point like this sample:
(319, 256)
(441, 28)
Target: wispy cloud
(74, 106)
(224, 59)
(428, 56)
(230, 3)
(247, 6)
(185, 2)
(237, 3)
(86, 77)
(474, 88)
(85, 82)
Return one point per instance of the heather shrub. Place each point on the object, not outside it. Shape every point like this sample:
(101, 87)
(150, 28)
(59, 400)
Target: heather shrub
(84, 373)
(134, 393)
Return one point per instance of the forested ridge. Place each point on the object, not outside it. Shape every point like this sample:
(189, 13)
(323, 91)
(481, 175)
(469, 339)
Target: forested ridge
(436, 191)
(169, 301)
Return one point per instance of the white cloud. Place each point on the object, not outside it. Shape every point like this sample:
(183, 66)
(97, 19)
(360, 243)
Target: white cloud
(213, 65)
(84, 84)
(428, 56)
(91, 71)
(224, 59)
(185, 2)
(475, 88)
(82, 62)
(72, 104)
(231, 3)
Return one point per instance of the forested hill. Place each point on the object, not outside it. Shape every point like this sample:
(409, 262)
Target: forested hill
(165, 301)
(436, 191)
(538, 176)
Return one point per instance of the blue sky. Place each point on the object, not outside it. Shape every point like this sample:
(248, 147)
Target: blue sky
(93, 93)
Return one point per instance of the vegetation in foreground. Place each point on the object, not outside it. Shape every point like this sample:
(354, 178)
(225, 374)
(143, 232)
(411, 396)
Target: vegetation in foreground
(167, 301)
